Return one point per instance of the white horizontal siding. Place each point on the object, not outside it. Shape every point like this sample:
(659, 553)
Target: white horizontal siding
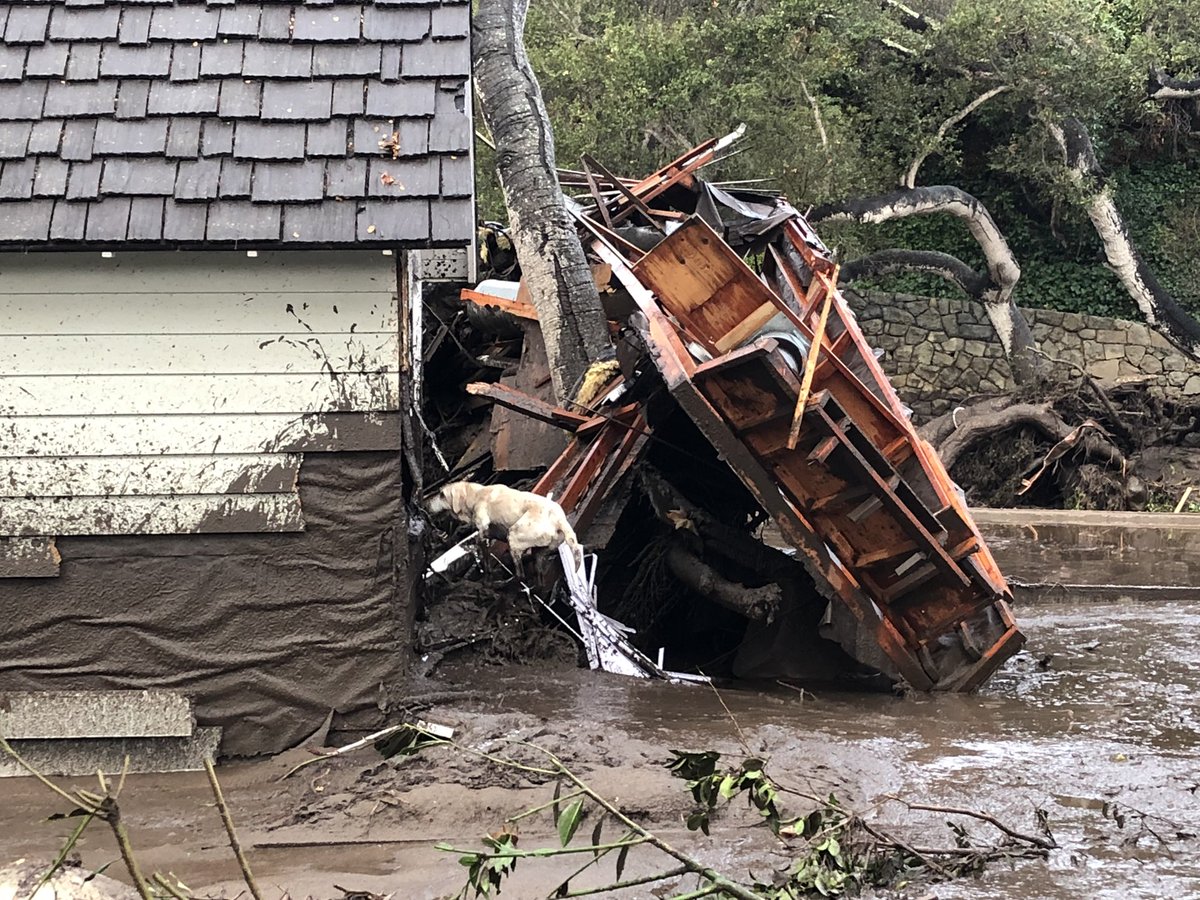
(124, 395)
(167, 312)
(335, 271)
(197, 354)
(103, 476)
(197, 514)
(173, 392)
(184, 434)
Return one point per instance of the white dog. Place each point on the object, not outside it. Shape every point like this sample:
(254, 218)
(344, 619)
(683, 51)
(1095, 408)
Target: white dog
(528, 520)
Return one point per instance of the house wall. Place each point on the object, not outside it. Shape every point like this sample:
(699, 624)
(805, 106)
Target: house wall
(200, 483)
(173, 393)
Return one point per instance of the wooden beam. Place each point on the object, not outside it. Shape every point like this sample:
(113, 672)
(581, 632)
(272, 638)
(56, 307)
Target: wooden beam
(518, 308)
(527, 405)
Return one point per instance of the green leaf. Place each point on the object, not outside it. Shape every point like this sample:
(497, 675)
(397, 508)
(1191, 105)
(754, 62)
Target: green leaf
(554, 809)
(596, 832)
(729, 785)
(622, 855)
(568, 822)
(834, 848)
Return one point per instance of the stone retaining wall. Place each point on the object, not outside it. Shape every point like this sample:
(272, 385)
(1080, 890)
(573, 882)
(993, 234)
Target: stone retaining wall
(941, 352)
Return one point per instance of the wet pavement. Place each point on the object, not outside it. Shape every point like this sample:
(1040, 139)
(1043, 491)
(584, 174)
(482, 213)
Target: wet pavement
(1101, 711)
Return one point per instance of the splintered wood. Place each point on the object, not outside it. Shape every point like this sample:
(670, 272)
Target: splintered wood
(770, 366)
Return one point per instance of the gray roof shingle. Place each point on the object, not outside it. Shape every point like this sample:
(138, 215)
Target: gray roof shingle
(188, 122)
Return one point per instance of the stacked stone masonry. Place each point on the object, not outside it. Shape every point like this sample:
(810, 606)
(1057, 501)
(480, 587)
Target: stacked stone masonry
(941, 352)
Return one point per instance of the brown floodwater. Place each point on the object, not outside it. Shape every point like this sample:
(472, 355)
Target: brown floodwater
(1102, 707)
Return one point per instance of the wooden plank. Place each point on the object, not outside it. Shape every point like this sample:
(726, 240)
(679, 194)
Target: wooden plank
(35, 557)
(699, 279)
(522, 309)
(122, 395)
(208, 514)
(190, 311)
(527, 405)
(199, 354)
(158, 435)
(102, 476)
(334, 271)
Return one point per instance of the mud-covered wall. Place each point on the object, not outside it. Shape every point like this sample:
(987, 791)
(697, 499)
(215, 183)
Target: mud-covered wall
(940, 352)
(266, 632)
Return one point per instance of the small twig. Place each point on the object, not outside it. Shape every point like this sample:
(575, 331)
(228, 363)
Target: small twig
(911, 851)
(111, 814)
(715, 878)
(738, 728)
(168, 887)
(227, 821)
(19, 760)
(1037, 841)
(631, 882)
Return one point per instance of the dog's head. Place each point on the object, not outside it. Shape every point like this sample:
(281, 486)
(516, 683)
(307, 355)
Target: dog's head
(448, 498)
(439, 501)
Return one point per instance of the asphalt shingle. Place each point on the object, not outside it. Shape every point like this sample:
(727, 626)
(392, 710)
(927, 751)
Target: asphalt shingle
(331, 23)
(258, 140)
(287, 182)
(297, 100)
(185, 122)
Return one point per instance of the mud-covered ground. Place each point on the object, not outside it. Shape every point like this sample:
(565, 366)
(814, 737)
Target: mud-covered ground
(1104, 706)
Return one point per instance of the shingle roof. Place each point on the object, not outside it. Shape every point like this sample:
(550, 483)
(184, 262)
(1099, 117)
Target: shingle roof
(212, 121)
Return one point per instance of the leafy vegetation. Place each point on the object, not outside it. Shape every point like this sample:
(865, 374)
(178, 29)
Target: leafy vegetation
(840, 97)
(837, 851)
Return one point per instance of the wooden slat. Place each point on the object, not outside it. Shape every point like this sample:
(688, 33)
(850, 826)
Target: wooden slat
(199, 354)
(123, 395)
(102, 476)
(158, 435)
(187, 310)
(519, 401)
(210, 514)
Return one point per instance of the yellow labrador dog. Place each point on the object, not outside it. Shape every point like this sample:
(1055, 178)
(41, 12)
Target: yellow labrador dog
(528, 520)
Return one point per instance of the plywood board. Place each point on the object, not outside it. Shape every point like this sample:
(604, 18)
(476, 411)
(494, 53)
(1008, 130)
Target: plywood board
(703, 283)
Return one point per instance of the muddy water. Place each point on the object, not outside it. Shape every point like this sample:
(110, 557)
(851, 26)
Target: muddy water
(1103, 707)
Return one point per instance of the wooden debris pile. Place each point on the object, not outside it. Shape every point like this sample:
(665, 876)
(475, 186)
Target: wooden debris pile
(762, 503)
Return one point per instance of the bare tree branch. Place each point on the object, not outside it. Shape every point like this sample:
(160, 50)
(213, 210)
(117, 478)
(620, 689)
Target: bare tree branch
(888, 262)
(910, 178)
(1002, 269)
(1161, 310)
(1161, 86)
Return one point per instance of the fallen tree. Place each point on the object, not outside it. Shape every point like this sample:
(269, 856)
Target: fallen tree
(552, 259)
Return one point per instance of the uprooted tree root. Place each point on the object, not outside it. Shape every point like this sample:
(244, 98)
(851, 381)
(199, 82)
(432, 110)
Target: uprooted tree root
(1077, 446)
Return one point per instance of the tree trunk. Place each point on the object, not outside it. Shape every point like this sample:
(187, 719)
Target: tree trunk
(1161, 310)
(548, 248)
(760, 604)
(1002, 270)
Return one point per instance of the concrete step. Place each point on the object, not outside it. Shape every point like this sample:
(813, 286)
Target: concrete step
(80, 732)
(86, 756)
(52, 715)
